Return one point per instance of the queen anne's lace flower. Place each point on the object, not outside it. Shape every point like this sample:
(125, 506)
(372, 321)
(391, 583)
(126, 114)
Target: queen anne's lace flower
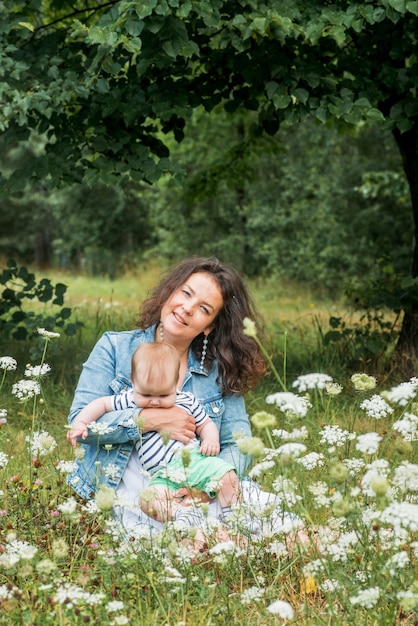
(292, 449)
(363, 382)
(41, 443)
(333, 435)
(36, 371)
(367, 598)
(281, 608)
(311, 460)
(376, 407)
(296, 433)
(368, 443)
(407, 427)
(48, 334)
(405, 477)
(290, 403)
(311, 381)
(402, 394)
(252, 594)
(26, 389)
(4, 459)
(401, 515)
(8, 363)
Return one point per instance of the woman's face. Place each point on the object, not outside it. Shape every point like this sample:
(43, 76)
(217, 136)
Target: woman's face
(192, 308)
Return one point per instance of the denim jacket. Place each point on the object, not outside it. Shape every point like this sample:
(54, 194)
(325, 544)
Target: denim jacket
(106, 372)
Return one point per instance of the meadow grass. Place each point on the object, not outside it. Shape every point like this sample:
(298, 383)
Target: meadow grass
(344, 460)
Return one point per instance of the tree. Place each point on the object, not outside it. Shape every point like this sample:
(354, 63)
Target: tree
(105, 82)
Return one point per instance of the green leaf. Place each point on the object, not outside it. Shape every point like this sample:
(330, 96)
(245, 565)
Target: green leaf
(301, 95)
(281, 101)
(398, 5)
(374, 115)
(412, 6)
(27, 25)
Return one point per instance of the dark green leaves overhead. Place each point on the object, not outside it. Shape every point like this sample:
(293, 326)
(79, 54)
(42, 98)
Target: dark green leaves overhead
(104, 82)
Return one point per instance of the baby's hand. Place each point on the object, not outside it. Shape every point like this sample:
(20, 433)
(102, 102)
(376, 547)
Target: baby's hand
(75, 432)
(208, 447)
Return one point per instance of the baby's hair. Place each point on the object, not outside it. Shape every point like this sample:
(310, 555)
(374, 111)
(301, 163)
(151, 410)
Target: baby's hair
(154, 363)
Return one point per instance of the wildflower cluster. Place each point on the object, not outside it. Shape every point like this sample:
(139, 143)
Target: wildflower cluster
(328, 509)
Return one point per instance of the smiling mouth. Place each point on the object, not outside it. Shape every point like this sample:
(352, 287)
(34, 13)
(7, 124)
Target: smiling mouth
(179, 318)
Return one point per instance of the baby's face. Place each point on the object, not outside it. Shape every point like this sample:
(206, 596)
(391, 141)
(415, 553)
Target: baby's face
(147, 396)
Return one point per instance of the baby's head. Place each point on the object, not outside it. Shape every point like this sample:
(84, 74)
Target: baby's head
(155, 373)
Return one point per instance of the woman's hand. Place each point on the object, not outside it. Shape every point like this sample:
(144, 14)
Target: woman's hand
(176, 421)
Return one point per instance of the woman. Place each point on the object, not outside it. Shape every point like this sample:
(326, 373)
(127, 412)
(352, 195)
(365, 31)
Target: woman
(199, 309)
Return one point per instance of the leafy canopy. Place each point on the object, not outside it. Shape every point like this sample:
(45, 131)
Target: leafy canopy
(105, 82)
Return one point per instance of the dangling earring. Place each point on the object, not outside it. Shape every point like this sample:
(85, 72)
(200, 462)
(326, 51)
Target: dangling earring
(204, 350)
(161, 332)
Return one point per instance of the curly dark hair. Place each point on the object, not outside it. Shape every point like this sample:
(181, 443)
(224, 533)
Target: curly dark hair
(240, 360)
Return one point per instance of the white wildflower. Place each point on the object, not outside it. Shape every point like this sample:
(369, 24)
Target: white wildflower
(259, 469)
(333, 435)
(120, 620)
(397, 561)
(4, 459)
(354, 466)
(311, 381)
(26, 389)
(378, 469)
(296, 433)
(291, 449)
(330, 585)
(407, 427)
(282, 609)
(69, 507)
(48, 334)
(252, 594)
(8, 363)
(376, 407)
(112, 471)
(367, 598)
(8, 592)
(363, 382)
(290, 403)
(333, 389)
(65, 467)
(312, 460)
(368, 443)
(37, 371)
(223, 552)
(41, 443)
(22, 549)
(405, 477)
(403, 394)
(114, 605)
(401, 515)
(99, 428)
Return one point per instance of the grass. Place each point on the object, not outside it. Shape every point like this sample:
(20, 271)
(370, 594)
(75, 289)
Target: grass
(63, 562)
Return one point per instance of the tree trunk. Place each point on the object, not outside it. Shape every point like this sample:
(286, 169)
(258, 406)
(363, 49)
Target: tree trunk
(42, 250)
(406, 352)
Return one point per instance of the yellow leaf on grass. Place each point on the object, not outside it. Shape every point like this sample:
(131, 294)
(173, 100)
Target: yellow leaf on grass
(307, 585)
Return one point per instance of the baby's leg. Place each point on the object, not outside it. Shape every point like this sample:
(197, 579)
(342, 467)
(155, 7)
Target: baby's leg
(159, 503)
(229, 493)
(162, 504)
